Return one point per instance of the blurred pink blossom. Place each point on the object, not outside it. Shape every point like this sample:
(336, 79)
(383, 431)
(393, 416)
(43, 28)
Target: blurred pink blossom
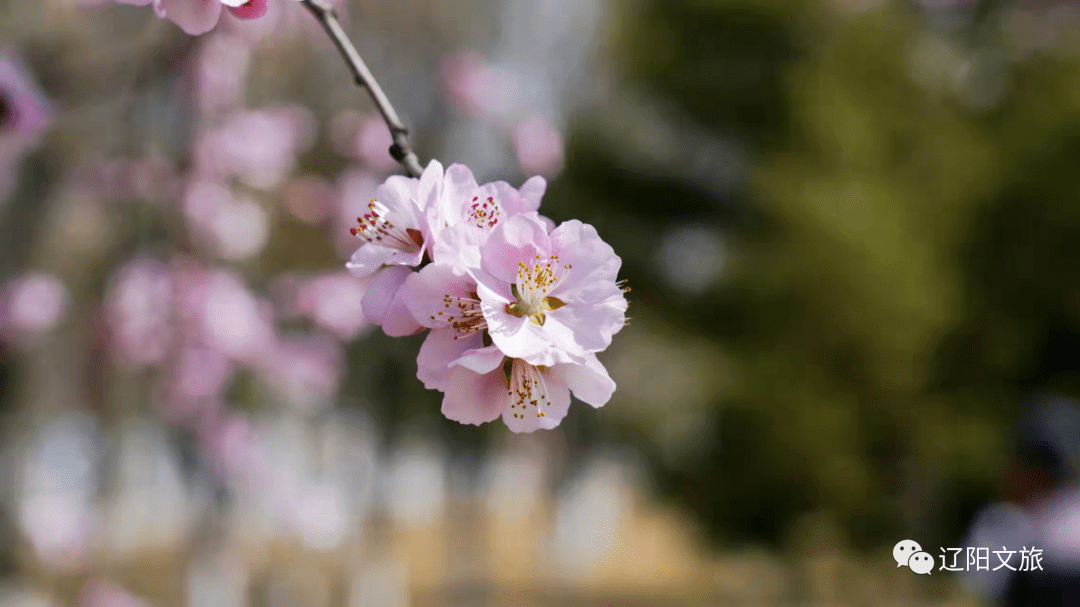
(476, 87)
(101, 593)
(331, 300)
(341, 130)
(305, 370)
(138, 304)
(539, 146)
(58, 527)
(310, 198)
(201, 372)
(147, 178)
(236, 228)
(200, 16)
(231, 442)
(259, 147)
(220, 71)
(372, 144)
(25, 114)
(230, 318)
(32, 304)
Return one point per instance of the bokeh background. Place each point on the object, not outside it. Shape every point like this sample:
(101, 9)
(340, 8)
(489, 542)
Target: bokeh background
(850, 227)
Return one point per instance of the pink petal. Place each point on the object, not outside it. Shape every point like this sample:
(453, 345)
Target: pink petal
(438, 351)
(193, 16)
(533, 190)
(370, 257)
(588, 327)
(458, 189)
(595, 264)
(472, 398)
(380, 295)
(520, 238)
(458, 246)
(399, 193)
(509, 199)
(398, 321)
(481, 360)
(589, 382)
(424, 291)
(430, 185)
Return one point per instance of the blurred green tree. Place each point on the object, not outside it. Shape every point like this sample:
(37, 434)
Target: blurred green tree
(903, 265)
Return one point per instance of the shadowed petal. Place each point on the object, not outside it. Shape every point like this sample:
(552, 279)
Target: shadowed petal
(370, 257)
(589, 382)
(439, 350)
(380, 295)
(474, 398)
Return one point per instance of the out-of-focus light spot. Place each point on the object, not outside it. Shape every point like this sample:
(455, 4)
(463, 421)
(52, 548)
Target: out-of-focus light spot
(539, 147)
(310, 198)
(32, 304)
(691, 258)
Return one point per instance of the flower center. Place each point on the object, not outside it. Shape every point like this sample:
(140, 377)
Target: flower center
(463, 314)
(525, 385)
(532, 287)
(375, 226)
(483, 213)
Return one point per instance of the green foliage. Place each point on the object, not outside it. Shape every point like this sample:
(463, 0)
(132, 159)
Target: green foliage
(904, 266)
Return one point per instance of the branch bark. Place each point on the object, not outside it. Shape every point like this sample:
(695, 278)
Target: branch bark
(400, 150)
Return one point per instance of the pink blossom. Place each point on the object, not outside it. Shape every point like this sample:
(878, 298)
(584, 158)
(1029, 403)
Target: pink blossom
(220, 71)
(332, 301)
(58, 526)
(236, 228)
(32, 304)
(445, 301)
(138, 302)
(460, 201)
(549, 298)
(372, 144)
(394, 231)
(485, 384)
(100, 593)
(310, 198)
(200, 16)
(201, 372)
(475, 86)
(257, 146)
(462, 216)
(231, 441)
(384, 306)
(304, 370)
(224, 315)
(25, 114)
(355, 188)
(539, 146)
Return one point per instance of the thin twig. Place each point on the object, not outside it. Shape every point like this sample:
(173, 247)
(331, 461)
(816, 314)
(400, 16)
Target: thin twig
(400, 150)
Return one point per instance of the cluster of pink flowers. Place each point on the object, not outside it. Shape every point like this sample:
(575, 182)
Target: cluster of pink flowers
(515, 308)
